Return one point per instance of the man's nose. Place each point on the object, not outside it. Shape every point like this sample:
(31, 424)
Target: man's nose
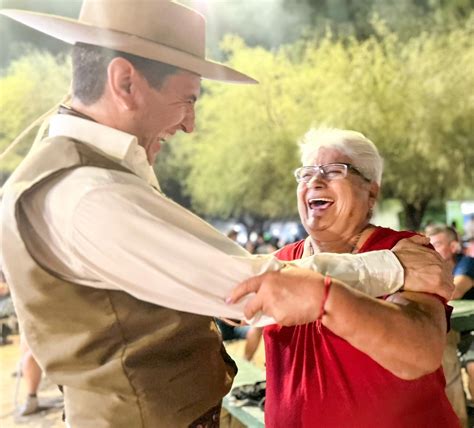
(188, 122)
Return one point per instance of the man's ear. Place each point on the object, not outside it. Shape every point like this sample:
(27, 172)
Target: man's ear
(121, 77)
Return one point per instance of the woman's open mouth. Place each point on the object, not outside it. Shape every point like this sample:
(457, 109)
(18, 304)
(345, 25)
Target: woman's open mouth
(319, 204)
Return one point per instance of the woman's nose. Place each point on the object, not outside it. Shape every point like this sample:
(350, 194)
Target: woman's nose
(316, 181)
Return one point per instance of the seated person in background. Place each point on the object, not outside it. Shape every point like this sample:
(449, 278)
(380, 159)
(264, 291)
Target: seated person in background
(445, 240)
(469, 247)
(361, 361)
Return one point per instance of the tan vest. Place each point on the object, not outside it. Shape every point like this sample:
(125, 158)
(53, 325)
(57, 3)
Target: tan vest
(123, 362)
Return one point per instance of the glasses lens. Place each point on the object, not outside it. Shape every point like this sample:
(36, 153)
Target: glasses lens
(331, 171)
(305, 173)
(334, 171)
(359, 173)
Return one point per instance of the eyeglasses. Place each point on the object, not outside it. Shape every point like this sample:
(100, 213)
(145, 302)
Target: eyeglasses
(330, 171)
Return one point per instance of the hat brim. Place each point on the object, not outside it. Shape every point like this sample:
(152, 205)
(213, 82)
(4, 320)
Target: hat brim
(72, 31)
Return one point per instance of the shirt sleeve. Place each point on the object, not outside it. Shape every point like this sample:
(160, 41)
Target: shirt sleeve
(375, 273)
(132, 238)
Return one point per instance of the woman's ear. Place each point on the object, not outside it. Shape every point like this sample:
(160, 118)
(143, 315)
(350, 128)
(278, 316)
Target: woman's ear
(374, 190)
(121, 77)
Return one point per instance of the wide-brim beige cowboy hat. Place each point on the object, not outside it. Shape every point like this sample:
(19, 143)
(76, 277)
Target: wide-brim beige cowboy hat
(160, 30)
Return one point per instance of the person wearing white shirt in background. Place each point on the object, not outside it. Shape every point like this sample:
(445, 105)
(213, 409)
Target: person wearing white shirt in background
(114, 284)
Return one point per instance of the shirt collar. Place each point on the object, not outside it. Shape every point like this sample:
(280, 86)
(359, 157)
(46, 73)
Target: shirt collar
(117, 145)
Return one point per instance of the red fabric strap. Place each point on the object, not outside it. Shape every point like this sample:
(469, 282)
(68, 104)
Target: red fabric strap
(327, 287)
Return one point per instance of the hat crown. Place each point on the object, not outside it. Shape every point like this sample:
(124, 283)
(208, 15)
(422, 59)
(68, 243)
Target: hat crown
(160, 30)
(162, 21)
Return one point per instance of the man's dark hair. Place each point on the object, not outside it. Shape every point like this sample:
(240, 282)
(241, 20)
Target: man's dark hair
(89, 70)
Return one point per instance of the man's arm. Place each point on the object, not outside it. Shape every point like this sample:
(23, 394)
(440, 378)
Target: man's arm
(463, 277)
(379, 273)
(376, 273)
(128, 237)
(462, 284)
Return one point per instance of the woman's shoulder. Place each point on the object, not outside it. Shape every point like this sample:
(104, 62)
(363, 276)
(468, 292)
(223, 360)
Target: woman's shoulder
(291, 251)
(384, 238)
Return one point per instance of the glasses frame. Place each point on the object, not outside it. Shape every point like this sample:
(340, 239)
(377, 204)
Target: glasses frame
(320, 170)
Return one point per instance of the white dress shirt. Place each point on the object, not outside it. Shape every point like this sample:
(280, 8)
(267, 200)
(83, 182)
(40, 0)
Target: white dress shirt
(110, 229)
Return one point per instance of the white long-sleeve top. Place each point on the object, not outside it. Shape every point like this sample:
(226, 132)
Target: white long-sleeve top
(113, 230)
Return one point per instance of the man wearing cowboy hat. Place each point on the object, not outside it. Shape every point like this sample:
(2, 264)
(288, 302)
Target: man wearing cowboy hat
(113, 282)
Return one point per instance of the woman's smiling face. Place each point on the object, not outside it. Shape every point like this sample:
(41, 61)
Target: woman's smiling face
(334, 209)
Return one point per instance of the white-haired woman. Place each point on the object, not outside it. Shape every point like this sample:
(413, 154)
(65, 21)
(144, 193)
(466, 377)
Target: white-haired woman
(364, 362)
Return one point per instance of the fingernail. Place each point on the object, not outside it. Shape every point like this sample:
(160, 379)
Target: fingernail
(228, 300)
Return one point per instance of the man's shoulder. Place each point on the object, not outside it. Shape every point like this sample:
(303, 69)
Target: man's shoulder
(61, 194)
(464, 266)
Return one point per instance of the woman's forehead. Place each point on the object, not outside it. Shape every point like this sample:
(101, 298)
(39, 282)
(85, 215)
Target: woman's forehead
(324, 155)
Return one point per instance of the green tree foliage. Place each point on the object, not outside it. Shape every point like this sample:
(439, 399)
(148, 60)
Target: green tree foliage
(406, 17)
(413, 99)
(16, 38)
(242, 142)
(29, 87)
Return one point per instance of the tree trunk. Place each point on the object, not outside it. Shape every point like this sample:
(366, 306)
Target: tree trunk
(413, 214)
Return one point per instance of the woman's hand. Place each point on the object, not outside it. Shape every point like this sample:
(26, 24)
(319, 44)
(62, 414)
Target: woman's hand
(291, 296)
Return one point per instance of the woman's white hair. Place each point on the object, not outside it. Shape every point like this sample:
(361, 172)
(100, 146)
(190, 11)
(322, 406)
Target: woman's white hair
(362, 152)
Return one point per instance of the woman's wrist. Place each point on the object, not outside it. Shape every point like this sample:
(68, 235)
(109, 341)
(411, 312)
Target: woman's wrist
(327, 287)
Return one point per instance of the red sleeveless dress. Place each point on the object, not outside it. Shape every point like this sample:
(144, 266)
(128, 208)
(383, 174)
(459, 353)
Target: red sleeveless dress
(317, 379)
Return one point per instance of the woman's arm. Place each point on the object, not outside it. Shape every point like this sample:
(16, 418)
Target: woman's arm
(405, 333)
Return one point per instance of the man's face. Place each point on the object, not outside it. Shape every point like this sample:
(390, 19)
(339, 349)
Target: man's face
(443, 245)
(162, 112)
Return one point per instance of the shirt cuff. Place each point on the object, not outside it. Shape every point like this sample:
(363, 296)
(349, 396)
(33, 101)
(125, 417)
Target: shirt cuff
(384, 271)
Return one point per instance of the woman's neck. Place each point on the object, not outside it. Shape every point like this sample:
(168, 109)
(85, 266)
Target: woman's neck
(350, 244)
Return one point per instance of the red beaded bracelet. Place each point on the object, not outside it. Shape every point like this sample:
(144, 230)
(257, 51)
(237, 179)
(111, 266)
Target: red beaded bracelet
(327, 286)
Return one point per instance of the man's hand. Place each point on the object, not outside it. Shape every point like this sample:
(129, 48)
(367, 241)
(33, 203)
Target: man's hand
(291, 296)
(425, 270)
